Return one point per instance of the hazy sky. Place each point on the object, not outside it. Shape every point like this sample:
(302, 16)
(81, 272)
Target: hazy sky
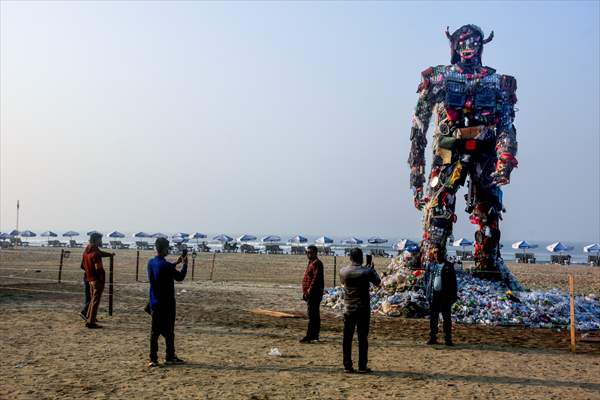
(278, 117)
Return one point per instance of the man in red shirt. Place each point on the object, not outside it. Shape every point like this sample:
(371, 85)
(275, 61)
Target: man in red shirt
(313, 284)
(94, 275)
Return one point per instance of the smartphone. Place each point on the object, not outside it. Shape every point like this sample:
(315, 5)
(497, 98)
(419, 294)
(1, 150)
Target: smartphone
(369, 260)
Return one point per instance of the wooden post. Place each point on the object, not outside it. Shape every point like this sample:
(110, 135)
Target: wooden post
(62, 256)
(193, 265)
(572, 298)
(110, 285)
(212, 269)
(334, 268)
(137, 265)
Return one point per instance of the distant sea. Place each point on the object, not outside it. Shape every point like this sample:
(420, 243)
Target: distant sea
(508, 253)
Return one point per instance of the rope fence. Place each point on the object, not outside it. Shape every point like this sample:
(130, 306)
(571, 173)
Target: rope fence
(124, 273)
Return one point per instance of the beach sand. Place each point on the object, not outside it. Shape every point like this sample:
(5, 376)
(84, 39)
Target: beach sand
(48, 353)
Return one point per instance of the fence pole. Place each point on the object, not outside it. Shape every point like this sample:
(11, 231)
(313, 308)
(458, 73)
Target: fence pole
(334, 268)
(110, 285)
(193, 265)
(212, 269)
(137, 265)
(572, 311)
(62, 256)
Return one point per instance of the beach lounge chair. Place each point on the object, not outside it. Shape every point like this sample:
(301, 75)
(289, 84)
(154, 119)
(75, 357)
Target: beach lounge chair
(273, 249)
(562, 259)
(73, 243)
(56, 243)
(118, 245)
(230, 247)
(525, 258)
(248, 248)
(465, 255)
(594, 261)
(325, 251)
(298, 250)
(202, 248)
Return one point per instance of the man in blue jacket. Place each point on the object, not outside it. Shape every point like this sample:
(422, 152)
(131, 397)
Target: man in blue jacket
(162, 276)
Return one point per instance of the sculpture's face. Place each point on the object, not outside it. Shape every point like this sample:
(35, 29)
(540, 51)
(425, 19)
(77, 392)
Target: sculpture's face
(469, 46)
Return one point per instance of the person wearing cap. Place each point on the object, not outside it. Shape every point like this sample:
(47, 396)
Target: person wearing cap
(162, 275)
(357, 280)
(441, 291)
(313, 284)
(94, 279)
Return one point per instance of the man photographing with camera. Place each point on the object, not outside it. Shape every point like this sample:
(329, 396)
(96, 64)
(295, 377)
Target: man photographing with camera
(162, 276)
(357, 280)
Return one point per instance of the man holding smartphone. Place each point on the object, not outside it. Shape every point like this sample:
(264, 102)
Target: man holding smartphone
(357, 280)
(162, 276)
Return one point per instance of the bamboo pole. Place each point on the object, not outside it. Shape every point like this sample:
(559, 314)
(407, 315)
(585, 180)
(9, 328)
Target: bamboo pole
(137, 265)
(212, 269)
(60, 266)
(110, 285)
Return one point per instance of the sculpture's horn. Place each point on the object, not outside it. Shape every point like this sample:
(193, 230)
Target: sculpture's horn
(489, 38)
(448, 33)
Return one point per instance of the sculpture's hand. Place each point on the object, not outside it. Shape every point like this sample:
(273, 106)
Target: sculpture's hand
(504, 166)
(418, 199)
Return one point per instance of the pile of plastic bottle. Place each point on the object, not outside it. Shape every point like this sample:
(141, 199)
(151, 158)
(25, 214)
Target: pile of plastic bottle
(479, 301)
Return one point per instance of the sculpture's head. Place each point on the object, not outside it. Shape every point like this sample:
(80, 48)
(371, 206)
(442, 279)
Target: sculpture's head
(466, 44)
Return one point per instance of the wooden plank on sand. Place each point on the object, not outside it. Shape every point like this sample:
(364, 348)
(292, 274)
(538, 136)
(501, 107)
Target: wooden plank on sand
(271, 313)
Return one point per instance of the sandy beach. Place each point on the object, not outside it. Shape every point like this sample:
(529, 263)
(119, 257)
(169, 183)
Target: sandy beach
(48, 353)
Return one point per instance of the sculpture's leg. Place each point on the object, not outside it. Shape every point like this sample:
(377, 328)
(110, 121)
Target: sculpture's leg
(486, 215)
(439, 216)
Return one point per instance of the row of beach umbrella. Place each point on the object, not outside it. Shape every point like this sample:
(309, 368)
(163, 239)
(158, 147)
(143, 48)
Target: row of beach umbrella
(402, 245)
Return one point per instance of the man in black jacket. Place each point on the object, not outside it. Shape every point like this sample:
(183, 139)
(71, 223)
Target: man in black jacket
(440, 283)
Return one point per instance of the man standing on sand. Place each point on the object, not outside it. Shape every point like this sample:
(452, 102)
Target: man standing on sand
(441, 290)
(313, 284)
(357, 280)
(94, 278)
(162, 276)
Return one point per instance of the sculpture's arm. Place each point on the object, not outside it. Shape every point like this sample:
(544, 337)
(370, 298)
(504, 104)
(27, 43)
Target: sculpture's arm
(418, 137)
(506, 136)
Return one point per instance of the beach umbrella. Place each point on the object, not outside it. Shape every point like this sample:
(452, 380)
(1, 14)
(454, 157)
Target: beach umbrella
(407, 245)
(142, 235)
(199, 235)
(523, 245)
(94, 231)
(376, 240)
(14, 232)
(462, 242)
(4, 236)
(352, 241)
(246, 238)
(271, 239)
(223, 238)
(558, 247)
(159, 235)
(181, 234)
(70, 234)
(298, 239)
(28, 234)
(116, 234)
(48, 234)
(179, 239)
(324, 240)
(592, 248)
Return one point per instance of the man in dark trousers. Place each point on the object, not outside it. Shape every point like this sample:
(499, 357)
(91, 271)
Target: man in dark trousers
(357, 280)
(440, 283)
(94, 279)
(313, 284)
(162, 276)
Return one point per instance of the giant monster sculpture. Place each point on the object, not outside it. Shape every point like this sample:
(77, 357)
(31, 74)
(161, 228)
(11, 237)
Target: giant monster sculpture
(474, 142)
